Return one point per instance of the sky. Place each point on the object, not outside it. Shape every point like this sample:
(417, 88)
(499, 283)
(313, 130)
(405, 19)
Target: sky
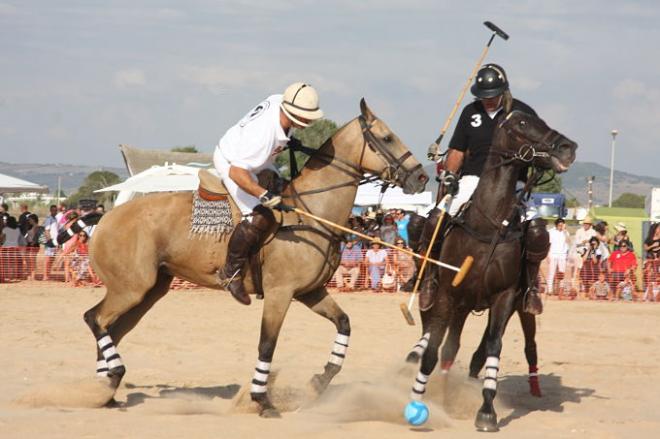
(77, 78)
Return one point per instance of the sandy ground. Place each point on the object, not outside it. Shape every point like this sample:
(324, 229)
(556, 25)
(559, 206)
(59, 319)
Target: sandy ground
(192, 356)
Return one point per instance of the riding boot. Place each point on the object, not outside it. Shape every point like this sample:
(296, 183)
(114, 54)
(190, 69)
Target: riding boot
(247, 238)
(533, 303)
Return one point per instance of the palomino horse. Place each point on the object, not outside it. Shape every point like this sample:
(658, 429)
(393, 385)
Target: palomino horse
(489, 231)
(139, 246)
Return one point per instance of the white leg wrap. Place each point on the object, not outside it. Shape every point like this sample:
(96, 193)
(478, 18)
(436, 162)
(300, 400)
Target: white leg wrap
(260, 377)
(492, 367)
(101, 368)
(419, 387)
(109, 352)
(339, 350)
(422, 344)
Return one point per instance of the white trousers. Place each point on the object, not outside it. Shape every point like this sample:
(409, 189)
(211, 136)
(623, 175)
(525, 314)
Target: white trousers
(556, 263)
(466, 186)
(245, 202)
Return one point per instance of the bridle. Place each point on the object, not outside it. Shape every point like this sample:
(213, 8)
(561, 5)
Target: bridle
(529, 148)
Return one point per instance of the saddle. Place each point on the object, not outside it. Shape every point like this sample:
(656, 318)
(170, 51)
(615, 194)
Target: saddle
(211, 187)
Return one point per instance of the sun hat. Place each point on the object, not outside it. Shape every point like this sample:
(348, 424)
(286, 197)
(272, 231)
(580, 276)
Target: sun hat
(620, 227)
(587, 220)
(300, 101)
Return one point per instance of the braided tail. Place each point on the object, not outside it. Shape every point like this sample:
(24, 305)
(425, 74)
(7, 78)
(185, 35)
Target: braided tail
(90, 219)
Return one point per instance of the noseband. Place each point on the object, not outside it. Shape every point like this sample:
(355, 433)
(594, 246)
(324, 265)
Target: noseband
(529, 150)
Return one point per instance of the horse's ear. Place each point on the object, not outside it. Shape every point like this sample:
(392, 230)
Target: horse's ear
(366, 111)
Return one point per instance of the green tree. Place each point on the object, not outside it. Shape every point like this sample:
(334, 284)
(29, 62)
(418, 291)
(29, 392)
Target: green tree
(313, 136)
(187, 148)
(550, 183)
(628, 199)
(95, 180)
(572, 202)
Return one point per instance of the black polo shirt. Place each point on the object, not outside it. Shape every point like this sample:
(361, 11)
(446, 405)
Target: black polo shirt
(474, 134)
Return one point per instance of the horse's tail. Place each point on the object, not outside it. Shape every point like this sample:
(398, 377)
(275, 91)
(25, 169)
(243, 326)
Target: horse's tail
(91, 219)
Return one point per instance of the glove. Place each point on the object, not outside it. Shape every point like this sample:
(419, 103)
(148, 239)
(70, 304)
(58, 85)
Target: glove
(433, 152)
(284, 208)
(270, 200)
(450, 183)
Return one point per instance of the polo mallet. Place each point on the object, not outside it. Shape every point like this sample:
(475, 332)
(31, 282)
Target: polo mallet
(460, 271)
(434, 148)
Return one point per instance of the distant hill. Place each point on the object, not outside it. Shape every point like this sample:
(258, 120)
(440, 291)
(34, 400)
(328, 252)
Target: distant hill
(72, 176)
(574, 182)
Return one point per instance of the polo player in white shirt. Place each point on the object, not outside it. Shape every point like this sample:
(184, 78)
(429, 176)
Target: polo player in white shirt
(247, 148)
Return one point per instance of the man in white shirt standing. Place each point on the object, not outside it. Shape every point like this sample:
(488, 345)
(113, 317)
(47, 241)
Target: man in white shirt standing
(559, 245)
(246, 148)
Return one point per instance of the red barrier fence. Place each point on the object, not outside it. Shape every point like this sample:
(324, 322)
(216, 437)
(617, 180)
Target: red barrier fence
(384, 271)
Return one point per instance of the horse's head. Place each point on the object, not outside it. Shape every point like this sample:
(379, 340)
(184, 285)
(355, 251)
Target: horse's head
(386, 156)
(526, 139)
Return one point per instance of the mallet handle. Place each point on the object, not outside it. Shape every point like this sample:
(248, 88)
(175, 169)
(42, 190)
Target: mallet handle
(369, 238)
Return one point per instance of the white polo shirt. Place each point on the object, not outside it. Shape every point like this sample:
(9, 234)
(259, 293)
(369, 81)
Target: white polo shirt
(253, 142)
(558, 242)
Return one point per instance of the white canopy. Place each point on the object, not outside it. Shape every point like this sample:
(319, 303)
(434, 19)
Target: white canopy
(168, 178)
(369, 195)
(16, 185)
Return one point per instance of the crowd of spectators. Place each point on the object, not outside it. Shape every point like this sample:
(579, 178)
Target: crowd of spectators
(22, 241)
(591, 263)
(597, 265)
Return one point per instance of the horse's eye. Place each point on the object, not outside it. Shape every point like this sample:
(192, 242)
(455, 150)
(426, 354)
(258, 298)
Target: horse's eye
(387, 138)
(522, 123)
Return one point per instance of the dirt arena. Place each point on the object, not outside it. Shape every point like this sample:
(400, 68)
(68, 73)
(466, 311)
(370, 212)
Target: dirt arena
(193, 355)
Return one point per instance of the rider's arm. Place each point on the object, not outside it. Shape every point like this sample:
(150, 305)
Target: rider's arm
(244, 180)
(454, 161)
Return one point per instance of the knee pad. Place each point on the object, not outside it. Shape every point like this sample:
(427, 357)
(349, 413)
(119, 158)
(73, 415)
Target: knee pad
(537, 240)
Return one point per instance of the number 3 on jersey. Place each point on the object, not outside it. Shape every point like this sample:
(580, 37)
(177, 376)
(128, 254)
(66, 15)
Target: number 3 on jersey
(476, 120)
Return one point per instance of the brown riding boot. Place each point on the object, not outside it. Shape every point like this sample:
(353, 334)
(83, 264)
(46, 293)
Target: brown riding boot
(246, 239)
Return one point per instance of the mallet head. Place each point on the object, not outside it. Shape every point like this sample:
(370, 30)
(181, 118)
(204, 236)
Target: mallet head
(496, 30)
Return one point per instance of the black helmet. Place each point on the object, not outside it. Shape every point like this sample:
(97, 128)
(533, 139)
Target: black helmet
(490, 82)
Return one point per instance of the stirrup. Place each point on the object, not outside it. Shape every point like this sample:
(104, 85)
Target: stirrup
(225, 281)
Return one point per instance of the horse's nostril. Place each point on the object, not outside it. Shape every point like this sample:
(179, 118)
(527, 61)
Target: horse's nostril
(422, 177)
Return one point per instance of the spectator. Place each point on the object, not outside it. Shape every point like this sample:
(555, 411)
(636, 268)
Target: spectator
(11, 256)
(581, 243)
(388, 231)
(652, 254)
(402, 220)
(4, 213)
(351, 257)
(592, 263)
(652, 291)
(33, 239)
(601, 233)
(403, 263)
(51, 229)
(80, 262)
(600, 289)
(100, 209)
(621, 235)
(626, 288)
(61, 212)
(69, 247)
(621, 262)
(559, 245)
(376, 260)
(23, 219)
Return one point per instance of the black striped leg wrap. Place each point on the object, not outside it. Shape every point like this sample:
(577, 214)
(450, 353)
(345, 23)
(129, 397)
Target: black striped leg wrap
(419, 388)
(260, 378)
(422, 344)
(102, 368)
(339, 350)
(492, 367)
(110, 354)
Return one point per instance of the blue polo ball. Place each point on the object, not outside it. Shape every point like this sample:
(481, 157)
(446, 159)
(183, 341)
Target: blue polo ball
(416, 413)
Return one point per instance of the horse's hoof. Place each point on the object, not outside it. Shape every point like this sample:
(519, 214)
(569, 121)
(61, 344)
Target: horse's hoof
(318, 383)
(115, 375)
(113, 404)
(413, 358)
(271, 413)
(486, 422)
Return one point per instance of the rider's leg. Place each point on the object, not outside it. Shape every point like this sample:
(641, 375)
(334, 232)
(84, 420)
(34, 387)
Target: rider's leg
(537, 244)
(247, 238)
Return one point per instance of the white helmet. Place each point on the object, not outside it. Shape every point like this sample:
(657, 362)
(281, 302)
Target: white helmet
(301, 101)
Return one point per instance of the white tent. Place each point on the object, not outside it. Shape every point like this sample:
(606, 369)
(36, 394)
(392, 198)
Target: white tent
(369, 195)
(168, 178)
(15, 185)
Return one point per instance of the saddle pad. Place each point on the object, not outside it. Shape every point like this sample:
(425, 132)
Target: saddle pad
(212, 218)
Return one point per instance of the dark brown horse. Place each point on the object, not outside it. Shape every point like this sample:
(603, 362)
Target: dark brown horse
(490, 230)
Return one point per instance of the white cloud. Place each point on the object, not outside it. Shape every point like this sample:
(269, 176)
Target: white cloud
(7, 9)
(130, 78)
(629, 89)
